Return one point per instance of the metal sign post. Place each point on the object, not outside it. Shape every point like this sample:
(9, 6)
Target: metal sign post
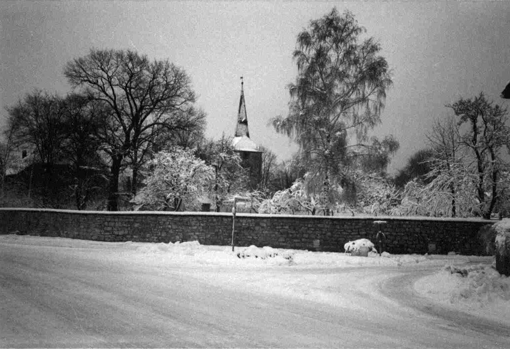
(233, 222)
(380, 237)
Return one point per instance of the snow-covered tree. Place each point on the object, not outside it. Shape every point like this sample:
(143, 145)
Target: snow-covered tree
(435, 198)
(484, 135)
(375, 194)
(173, 178)
(468, 165)
(230, 177)
(501, 234)
(297, 200)
(337, 98)
(288, 201)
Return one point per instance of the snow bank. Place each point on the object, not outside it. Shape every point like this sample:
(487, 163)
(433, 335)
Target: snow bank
(256, 252)
(193, 253)
(308, 259)
(265, 253)
(480, 284)
(478, 289)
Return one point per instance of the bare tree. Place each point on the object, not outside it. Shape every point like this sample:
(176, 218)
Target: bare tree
(141, 96)
(268, 168)
(484, 136)
(444, 141)
(37, 122)
(468, 168)
(82, 143)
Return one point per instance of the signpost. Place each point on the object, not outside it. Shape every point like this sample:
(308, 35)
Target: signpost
(380, 237)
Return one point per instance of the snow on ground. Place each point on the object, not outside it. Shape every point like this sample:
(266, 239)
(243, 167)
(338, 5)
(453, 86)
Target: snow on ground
(477, 289)
(473, 288)
(193, 253)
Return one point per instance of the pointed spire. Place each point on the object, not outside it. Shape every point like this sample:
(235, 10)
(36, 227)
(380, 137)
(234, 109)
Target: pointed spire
(242, 118)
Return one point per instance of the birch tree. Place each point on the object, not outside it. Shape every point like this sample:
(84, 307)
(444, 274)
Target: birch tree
(337, 97)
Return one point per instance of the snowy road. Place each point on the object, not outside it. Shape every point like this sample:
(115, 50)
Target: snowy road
(87, 294)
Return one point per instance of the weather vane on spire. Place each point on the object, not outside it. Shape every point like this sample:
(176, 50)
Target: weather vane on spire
(242, 84)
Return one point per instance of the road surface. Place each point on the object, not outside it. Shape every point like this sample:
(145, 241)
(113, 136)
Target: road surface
(74, 297)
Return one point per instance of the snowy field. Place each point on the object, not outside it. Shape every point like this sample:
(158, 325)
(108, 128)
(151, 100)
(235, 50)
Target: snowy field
(355, 285)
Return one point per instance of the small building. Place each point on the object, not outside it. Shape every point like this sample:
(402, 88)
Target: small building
(250, 153)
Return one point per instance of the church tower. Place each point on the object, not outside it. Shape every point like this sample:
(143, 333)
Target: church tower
(250, 153)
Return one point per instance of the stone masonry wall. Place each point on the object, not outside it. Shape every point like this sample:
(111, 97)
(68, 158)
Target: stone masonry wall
(404, 234)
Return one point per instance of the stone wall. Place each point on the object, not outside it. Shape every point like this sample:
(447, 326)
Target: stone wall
(404, 235)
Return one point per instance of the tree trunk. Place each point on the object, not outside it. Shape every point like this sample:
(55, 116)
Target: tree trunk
(81, 189)
(113, 189)
(454, 206)
(49, 195)
(78, 191)
(134, 180)
(2, 182)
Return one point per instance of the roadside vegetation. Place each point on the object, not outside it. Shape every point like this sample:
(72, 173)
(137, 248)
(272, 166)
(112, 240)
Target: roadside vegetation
(130, 136)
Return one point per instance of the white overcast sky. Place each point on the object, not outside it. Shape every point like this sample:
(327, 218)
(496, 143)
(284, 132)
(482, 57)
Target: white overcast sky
(438, 52)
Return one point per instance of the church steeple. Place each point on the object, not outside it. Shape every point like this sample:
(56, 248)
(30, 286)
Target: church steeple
(249, 152)
(242, 118)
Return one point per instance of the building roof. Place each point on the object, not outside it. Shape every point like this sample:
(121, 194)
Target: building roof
(244, 143)
(242, 117)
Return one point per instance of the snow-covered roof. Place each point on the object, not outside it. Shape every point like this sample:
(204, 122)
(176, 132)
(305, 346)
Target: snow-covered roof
(244, 143)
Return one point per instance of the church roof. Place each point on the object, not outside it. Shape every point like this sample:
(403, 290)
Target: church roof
(244, 143)
(242, 117)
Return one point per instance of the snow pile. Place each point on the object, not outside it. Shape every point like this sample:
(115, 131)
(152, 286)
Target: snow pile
(502, 240)
(478, 289)
(193, 253)
(186, 248)
(183, 252)
(264, 253)
(356, 245)
(307, 259)
(256, 252)
(481, 284)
